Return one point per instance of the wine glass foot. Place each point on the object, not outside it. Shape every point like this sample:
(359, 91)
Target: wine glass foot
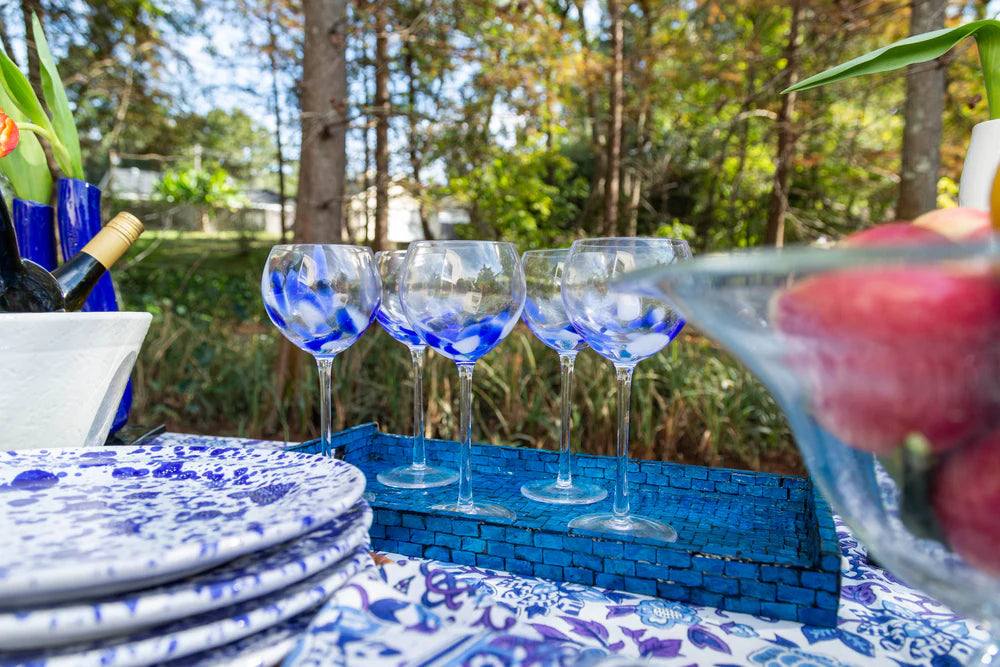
(478, 509)
(576, 493)
(631, 525)
(411, 477)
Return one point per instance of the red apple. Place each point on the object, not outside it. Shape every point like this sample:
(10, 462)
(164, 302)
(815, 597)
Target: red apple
(895, 234)
(890, 351)
(966, 502)
(958, 224)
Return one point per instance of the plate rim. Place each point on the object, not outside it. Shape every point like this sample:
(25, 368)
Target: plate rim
(342, 571)
(16, 634)
(105, 576)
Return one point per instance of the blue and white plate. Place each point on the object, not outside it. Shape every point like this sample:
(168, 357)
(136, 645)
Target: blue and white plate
(242, 579)
(200, 633)
(84, 522)
(264, 649)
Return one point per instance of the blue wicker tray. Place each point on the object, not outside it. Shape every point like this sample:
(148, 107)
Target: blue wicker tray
(749, 542)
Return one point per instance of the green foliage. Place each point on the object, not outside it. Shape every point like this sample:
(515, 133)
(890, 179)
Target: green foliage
(921, 48)
(55, 98)
(190, 186)
(60, 130)
(527, 197)
(25, 167)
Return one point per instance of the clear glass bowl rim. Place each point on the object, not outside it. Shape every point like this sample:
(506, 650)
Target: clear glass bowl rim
(344, 246)
(813, 259)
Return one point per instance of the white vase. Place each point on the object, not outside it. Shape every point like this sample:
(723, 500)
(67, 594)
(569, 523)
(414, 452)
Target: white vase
(981, 162)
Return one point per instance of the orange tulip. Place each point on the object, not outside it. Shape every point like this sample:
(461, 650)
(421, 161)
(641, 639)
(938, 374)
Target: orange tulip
(9, 136)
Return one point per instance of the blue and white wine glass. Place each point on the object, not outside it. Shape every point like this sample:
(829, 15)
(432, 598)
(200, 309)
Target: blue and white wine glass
(546, 316)
(416, 475)
(463, 298)
(321, 298)
(625, 329)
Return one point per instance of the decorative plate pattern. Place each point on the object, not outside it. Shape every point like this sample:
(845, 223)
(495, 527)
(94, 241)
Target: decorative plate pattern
(203, 632)
(264, 649)
(245, 578)
(82, 522)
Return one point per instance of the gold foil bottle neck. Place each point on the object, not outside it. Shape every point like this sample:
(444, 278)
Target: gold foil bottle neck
(109, 244)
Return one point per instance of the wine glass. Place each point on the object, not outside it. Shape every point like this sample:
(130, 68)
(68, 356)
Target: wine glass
(322, 298)
(885, 362)
(463, 298)
(546, 316)
(625, 329)
(416, 475)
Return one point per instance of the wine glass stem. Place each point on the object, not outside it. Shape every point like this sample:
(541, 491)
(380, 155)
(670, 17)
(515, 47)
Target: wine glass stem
(465, 425)
(419, 449)
(325, 367)
(566, 361)
(621, 504)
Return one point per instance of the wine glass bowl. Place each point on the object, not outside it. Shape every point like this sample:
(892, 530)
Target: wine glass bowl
(417, 474)
(546, 317)
(886, 362)
(625, 328)
(321, 298)
(463, 298)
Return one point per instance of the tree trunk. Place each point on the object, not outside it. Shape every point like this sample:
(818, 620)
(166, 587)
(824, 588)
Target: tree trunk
(276, 100)
(322, 161)
(612, 167)
(5, 38)
(925, 88)
(416, 161)
(322, 164)
(778, 209)
(634, 178)
(381, 240)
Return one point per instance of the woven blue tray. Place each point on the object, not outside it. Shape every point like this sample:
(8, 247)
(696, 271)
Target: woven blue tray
(749, 542)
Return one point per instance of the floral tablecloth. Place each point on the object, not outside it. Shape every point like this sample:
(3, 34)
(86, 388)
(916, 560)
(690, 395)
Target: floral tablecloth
(415, 611)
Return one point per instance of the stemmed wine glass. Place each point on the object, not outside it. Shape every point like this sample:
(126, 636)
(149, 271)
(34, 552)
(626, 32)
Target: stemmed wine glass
(546, 316)
(416, 475)
(463, 298)
(322, 298)
(625, 329)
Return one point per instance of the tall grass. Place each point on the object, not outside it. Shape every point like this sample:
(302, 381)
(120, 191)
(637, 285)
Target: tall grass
(208, 366)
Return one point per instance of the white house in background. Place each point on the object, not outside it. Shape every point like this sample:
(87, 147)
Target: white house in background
(262, 211)
(404, 215)
(131, 183)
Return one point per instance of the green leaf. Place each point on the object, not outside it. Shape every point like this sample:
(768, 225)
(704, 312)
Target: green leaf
(918, 49)
(20, 93)
(26, 167)
(55, 97)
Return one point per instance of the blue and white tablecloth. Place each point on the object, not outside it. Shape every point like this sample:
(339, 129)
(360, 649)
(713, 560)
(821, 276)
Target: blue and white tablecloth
(417, 611)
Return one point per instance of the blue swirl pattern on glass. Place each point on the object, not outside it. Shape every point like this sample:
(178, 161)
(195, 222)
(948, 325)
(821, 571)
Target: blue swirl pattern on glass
(620, 326)
(320, 301)
(550, 324)
(397, 330)
(465, 340)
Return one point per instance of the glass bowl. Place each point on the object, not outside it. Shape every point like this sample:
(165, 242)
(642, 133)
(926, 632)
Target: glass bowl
(886, 362)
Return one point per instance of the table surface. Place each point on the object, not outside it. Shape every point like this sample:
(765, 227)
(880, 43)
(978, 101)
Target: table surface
(415, 607)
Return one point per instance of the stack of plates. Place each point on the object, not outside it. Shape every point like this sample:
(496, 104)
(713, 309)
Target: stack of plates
(198, 555)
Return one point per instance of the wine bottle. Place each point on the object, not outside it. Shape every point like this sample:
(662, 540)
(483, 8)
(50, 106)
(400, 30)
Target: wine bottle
(80, 273)
(25, 287)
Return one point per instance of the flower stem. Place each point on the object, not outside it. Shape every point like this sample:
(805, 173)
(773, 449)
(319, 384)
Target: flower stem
(62, 154)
